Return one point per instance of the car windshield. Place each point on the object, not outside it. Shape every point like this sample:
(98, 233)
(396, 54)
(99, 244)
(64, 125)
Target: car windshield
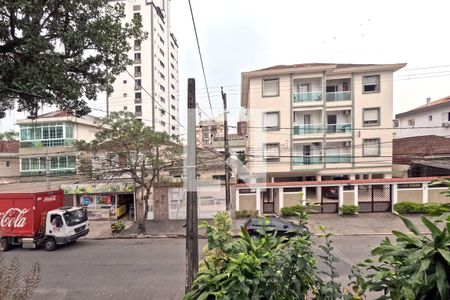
(75, 217)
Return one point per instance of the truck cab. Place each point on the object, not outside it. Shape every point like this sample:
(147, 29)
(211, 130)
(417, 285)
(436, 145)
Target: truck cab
(64, 225)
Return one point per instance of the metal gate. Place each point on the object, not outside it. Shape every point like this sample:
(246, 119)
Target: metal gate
(329, 199)
(268, 204)
(375, 198)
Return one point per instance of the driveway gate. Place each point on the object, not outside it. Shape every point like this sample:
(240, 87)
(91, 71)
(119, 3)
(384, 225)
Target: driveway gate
(375, 198)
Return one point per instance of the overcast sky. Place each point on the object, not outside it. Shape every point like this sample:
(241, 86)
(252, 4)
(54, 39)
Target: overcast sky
(244, 35)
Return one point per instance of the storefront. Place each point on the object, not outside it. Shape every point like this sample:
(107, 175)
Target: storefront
(104, 201)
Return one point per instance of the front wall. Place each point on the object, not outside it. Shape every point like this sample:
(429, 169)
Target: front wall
(291, 199)
(410, 196)
(435, 196)
(349, 198)
(12, 170)
(247, 202)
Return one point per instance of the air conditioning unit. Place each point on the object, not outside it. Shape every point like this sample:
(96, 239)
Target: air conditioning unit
(347, 144)
(347, 112)
(446, 124)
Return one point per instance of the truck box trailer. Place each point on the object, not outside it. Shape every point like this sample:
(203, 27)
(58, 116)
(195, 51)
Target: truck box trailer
(32, 220)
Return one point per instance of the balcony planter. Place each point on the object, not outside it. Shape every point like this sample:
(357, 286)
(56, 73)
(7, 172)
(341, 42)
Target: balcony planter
(348, 210)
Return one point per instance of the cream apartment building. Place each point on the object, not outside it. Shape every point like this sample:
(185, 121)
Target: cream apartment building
(319, 121)
(149, 87)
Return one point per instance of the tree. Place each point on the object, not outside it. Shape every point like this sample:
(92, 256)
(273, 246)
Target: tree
(11, 287)
(125, 147)
(61, 52)
(8, 136)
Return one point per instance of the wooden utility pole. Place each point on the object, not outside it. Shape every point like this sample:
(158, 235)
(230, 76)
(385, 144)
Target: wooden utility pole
(227, 152)
(191, 193)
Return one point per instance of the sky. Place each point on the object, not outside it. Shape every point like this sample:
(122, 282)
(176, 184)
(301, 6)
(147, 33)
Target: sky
(237, 36)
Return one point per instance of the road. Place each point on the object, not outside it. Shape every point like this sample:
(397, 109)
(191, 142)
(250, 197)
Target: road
(136, 269)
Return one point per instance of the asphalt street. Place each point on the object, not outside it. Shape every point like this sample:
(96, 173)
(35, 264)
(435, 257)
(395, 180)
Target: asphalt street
(137, 268)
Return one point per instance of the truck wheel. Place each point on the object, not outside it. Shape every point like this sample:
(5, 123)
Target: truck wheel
(49, 244)
(4, 244)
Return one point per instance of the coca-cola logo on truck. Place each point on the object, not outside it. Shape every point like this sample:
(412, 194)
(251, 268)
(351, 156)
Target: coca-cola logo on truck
(47, 198)
(13, 218)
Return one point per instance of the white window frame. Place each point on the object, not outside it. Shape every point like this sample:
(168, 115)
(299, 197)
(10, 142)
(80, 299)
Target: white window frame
(266, 151)
(377, 86)
(370, 122)
(378, 148)
(273, 94)
(271, 128)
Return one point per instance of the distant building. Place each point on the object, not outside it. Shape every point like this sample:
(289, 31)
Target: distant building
(9, 161)
(319, 121)
(153, 93)
(49, 139)
(421, 156)
(211, 133)
(434, 116)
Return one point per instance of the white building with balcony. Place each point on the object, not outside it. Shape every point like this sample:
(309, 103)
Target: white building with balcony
(432, 117)
(319, 121)
(151, 92)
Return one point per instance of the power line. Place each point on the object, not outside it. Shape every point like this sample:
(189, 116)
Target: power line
(201, 58)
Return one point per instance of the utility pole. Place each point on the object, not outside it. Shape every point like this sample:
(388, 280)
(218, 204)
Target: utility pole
(227, 152)
(191, 194)
(47, 172)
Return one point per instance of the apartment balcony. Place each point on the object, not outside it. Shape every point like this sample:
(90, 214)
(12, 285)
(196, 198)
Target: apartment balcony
(137, 100)
(308, 129)
(137, 47)
(345, 128)
(307, 160)
(137, 60)
(137, 74)
(307, 97)
(338, 96)
(338, 159)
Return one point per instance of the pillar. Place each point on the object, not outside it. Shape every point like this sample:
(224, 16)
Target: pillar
(355, 195)
(341, 198)
(394, 195)
(281, 197)
(303, 200)
(258, 200)
(238, 199)
(425, 192)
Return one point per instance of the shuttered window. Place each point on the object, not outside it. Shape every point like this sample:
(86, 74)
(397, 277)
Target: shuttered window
(371, 147)
(371, 117)
(271, 121)
(271, 87)
(272, 151)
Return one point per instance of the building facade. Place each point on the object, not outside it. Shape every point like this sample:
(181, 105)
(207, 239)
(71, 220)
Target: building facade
(319, 121)
(149, 87)
(47, 143)
(9, 161)
(433, 117)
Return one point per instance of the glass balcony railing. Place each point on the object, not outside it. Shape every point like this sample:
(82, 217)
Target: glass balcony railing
(307, 97)
(339, 96)
(343, 158)
(308, 129)
(307, 160)
(339, 128)
(47, 143)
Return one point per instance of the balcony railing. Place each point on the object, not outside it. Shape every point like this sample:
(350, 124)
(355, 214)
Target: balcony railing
(307, 160)
(343, 158)
(137, 74)
(137, 60)
(339, 96)
(47, 143)
(137, 100)
(307, 97)
(308, 129)
(339, 128)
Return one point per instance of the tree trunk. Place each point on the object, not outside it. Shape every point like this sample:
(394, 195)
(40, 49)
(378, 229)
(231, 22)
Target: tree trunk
(142, 216)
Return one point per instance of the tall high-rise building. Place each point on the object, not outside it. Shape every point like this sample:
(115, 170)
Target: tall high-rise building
(151, 91)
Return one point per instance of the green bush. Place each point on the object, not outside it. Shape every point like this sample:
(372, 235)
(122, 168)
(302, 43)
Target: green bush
(434, 209)
(246, 213)
(292, 210)
(117, 226)
(349, 209)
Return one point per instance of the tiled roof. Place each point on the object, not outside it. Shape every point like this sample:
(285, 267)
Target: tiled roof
(406, 149)
(58, 113)
(426, 107)
(307, 65)
(9, 147)
(337, 182)
(434, 163)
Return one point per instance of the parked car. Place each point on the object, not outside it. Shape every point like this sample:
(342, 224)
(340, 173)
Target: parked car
(281, 226)
(330, 192)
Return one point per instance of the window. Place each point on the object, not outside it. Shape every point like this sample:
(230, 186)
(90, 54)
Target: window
(124, 95)
(271, 87)
(411, 122)
(137, 84)
(172, 96)
(137, 44)
(430, 118)
(124, 81)
(138, 110)
(173, 117)
(171, 55)
(371, 117)
(137, 58)
(163, 112)
(162, 75)
(171, 44)
(163, 123)
(137, 71)
(136, 7)
(173, 127)
(371, 147)
(162, 52)
(272, 151)
(138, 97)
(161, 39)
(271, 121)
(7, 164)
(172, 86)
(162, 64)
(125, 108)
(162, 99)
(160, 26)
(136, 15)
(173, 67)
(171, 75)
(162, 88)
(371, 84)
(173, 107)
(448, 116)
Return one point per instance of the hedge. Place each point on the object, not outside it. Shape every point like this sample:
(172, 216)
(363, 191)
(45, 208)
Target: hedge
(349, 209)
(246, 213)
(420, 208)
(290, 211)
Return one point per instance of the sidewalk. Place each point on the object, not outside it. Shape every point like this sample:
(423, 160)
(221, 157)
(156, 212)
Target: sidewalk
(362, 224)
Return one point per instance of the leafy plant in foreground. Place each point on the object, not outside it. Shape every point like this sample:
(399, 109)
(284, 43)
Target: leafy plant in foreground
(11, 285)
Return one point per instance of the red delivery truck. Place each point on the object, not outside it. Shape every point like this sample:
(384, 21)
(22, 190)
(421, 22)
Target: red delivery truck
(34, 220)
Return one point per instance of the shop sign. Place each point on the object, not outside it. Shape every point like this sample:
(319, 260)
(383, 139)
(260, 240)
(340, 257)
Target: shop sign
(98, 188)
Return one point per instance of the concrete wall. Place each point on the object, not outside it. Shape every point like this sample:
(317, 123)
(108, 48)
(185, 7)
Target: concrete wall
(161, 203)
(435, 196)
(247, 202)
(410, 196)
(12, 170)
(291, 199)
(349, 198)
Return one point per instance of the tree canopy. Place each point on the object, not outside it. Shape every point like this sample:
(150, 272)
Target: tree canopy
(61, 53)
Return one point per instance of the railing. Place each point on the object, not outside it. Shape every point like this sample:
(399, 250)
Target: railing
(307, 97)
(343, 158)
(66, 171)
(307, 160)
(137, 60)
(339, 96)
(308, 129)
(47, 143)
(339, 128)
(137, 100)
(137, 74)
